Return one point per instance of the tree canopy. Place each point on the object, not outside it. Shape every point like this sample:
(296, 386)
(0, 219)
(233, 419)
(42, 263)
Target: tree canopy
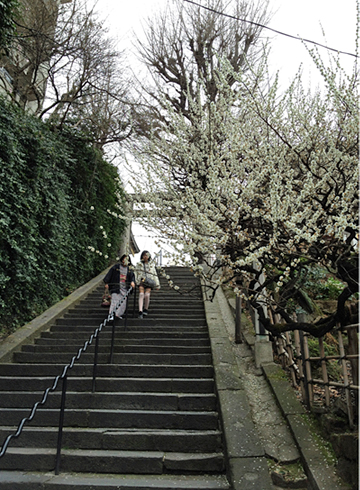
(258, 184)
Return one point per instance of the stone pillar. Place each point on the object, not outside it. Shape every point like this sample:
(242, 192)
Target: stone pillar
(263, 347)
(125, 243)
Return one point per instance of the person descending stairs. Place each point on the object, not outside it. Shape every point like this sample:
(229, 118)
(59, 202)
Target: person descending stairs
(152, 421)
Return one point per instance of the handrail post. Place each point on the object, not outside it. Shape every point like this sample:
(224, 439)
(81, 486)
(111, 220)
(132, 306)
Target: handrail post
(112, 339)
(61, 425)
(126, 312)
(303, 360)
(134, 301)
(238, 339)
(95, 363)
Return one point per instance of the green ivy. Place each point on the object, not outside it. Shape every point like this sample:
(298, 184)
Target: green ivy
(9, 10)
(49, 183)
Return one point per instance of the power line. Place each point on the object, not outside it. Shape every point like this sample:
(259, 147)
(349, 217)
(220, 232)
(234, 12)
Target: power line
(270, 29)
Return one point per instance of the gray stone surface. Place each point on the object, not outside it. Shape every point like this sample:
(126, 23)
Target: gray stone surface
(276, 413)
(242, 440)
(32, 481)
(250, 474)
(247, 464)
(280, 386)
(321, 473)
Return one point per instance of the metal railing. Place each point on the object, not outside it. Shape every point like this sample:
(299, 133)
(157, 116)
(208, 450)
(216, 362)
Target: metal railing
(110, 319)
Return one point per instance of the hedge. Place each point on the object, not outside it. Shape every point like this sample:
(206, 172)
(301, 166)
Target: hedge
(56, 191)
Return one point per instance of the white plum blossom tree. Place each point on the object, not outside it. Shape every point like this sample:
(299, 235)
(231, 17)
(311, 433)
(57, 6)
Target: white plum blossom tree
(266, 183)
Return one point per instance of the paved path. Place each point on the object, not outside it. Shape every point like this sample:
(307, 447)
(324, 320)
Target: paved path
(279, 418)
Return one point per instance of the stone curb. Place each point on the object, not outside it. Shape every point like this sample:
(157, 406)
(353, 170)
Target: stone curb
(29, 331)
(320, 474)
(247, 464)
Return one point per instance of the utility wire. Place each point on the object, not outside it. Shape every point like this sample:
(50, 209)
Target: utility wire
(270, 29)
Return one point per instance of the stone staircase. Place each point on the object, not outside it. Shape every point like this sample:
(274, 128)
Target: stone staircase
(153, 420)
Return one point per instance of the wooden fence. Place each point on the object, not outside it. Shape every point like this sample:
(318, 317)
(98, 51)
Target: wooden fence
(314, 373)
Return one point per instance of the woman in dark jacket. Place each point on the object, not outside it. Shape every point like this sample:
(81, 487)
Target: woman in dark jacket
(119, 279)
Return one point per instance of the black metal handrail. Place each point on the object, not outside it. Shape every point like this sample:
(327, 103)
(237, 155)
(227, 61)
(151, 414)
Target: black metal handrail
(111, 318)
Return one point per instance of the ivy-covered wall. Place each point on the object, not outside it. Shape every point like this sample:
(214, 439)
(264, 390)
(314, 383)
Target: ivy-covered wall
(55, 193)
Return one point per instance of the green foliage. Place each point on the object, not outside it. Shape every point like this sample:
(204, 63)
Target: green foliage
(49, 183)
(8, 12)
(320, 285)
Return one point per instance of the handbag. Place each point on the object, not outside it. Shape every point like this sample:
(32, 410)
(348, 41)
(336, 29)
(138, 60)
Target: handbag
(106, 299)
(148, 282)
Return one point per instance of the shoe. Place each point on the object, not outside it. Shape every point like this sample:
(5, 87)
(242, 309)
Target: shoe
(140, 314)
(145, 312)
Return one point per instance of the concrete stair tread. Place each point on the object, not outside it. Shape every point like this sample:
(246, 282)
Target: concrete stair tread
(74, 417)
(183, 326)
(105, 371)
(157, 341)
(124, 358)
(118, 400)
(112, 430)
(106, 452)
(70, 481)
(107, 411)
(154, 411)
(130, 333)
(128, 348)
(146, 383)
(168, 440)
(81, 460)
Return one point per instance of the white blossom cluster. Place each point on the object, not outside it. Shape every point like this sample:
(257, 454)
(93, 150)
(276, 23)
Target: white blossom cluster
(257, 176)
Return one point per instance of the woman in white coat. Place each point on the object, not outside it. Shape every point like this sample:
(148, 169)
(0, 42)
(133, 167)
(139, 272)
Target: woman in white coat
(147, 279)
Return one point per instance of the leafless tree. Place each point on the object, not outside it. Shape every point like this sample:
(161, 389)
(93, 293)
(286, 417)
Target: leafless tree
(184, 43)
(67, 51)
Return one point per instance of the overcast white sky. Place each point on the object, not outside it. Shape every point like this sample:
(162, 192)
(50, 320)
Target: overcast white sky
(306, 19)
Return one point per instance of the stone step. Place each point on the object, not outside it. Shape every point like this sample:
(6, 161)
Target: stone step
(104, 347)
(154, 409)
(123, 358)
(119, 400)
(129, 333)
(152, 326)
(86, 481)
(140, 419)
(161, 300)
(157, 341)
(191, 372)
(189, 292)
(154, 312)
(146, 385)
(195, 441)
(148, 322)
(112, 461)
(154, 319)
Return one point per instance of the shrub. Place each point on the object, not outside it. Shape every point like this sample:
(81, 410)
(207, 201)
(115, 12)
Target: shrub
(49, 183)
